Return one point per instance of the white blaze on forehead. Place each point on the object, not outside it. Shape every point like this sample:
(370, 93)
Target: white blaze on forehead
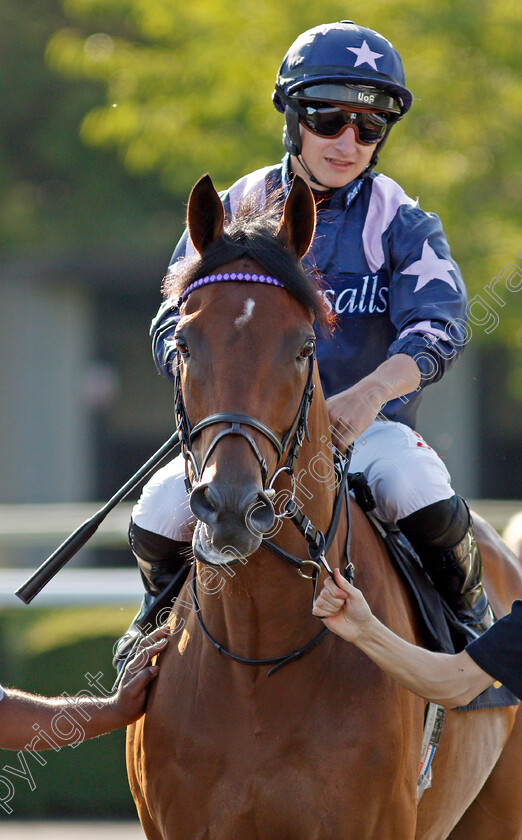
(246, 315)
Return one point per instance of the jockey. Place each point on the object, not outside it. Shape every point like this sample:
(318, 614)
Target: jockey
(398, 296)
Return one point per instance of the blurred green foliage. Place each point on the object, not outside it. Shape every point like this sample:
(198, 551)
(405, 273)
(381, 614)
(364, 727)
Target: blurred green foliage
(174, 89)
(58, 196)
(188, 89)
(49, 652)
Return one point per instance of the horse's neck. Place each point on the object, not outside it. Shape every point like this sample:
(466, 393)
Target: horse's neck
(315, 478)
(264, 606)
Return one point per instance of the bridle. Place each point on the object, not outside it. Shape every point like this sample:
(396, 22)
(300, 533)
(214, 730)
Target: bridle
(291, 442)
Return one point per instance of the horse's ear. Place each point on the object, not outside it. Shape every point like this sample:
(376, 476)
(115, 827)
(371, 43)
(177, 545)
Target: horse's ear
(297, 226)
(205, 214)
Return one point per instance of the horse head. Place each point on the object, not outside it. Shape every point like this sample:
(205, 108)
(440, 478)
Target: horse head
(245, 355)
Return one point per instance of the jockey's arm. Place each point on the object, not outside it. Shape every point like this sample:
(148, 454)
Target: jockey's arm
(28, 721)
(429, 319)
(353, 410)
(448, 679)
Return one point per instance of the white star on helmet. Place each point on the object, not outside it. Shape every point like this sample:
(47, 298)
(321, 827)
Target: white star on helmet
(365, 55)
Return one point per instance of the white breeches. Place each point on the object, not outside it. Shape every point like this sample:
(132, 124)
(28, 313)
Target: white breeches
(404, 474)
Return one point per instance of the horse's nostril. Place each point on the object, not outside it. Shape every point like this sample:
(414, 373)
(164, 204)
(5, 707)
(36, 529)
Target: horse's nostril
(208, 498)
(228, 512)
(260, 515)
(202, 505)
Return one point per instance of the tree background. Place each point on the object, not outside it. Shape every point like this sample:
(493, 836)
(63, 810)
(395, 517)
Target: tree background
(170, 89)
(113, 108)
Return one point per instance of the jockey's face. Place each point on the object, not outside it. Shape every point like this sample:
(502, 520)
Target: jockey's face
(334, 161)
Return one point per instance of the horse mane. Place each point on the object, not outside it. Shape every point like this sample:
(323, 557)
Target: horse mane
(252, 234)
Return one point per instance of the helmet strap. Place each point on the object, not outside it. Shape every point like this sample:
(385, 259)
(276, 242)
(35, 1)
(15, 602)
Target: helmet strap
(312, 177)
(292, 133)
(292, 140)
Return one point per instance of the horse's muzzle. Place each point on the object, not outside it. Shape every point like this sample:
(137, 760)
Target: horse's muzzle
(235, 518)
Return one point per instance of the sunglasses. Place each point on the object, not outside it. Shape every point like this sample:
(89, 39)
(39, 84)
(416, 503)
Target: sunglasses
(331, 120)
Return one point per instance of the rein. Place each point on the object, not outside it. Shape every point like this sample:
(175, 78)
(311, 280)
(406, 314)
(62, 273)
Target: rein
(276, 661)
(187, 433)
(318, 543)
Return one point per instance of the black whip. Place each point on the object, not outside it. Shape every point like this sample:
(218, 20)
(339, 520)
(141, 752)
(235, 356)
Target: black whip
(84, 532)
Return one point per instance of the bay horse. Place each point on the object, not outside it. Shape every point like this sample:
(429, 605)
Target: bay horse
(326, 747)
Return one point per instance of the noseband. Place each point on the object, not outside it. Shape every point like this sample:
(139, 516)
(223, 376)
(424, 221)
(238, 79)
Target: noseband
(318, 543)
(292, 440)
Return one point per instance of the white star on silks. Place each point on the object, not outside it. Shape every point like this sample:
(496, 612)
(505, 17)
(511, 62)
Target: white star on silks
(365, 55)
(431, 267)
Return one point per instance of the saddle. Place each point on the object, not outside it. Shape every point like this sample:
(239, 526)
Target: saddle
(443, 630)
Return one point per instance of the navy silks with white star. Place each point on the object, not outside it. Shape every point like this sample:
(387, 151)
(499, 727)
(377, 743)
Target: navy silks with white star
(387, 272)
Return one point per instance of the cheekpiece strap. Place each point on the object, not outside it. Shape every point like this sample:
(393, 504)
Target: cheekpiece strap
(230, 276)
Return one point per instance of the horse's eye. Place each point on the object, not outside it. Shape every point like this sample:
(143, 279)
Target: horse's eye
(308, 349)
(182, 346)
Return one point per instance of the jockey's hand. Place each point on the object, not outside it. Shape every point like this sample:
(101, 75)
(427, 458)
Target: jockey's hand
(351, 412)
(129, 702)
(343, 608)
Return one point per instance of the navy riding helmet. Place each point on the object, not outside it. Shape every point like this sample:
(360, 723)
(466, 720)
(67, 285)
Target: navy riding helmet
(342, 63)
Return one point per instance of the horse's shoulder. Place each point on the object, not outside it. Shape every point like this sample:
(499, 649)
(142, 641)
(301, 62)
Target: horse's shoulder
(371, 560)
(361, 526)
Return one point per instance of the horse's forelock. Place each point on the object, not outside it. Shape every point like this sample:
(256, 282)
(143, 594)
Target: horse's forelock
(252, 234)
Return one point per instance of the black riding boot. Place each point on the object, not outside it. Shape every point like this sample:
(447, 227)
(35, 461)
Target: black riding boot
(163, 565)
(442, 535)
